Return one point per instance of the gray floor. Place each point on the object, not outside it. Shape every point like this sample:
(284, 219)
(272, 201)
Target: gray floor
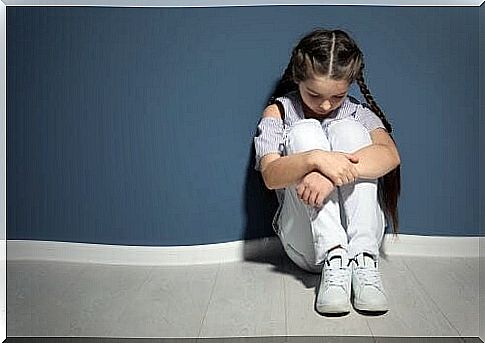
(268, 297)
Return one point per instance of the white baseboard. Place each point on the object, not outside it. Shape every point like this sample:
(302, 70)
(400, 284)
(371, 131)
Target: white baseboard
(32, 250)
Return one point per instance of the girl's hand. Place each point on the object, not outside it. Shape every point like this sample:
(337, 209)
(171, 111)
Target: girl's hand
(314, 188)
(339, 167)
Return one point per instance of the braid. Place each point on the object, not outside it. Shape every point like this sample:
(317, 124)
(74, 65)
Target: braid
(389, 185)
(286, 83)
(370, 100)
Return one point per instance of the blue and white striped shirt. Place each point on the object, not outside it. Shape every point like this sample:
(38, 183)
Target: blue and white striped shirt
(271, 131)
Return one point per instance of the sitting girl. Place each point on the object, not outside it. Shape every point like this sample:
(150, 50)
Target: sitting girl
(335, 169)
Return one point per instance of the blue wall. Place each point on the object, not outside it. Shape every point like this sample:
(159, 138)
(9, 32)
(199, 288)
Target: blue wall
(135, 125)
(482, 164)
(482, 118)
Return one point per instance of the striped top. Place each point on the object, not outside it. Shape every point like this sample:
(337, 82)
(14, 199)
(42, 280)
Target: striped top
(271, 131)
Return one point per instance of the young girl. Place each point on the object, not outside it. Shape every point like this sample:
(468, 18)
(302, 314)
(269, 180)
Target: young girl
(335, 169)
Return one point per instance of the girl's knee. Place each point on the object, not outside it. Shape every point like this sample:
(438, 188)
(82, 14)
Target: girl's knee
(348, 135)
(306, 134)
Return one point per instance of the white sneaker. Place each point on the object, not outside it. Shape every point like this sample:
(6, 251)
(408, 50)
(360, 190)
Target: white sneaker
(334, 292)
(367, 287)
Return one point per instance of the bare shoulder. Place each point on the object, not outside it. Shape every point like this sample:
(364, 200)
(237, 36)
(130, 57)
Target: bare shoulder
(272, 111)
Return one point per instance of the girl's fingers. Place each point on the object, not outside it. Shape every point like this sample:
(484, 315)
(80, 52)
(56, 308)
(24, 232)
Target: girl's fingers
(351, 177)
(312, 199)
(319, 200)
(355, 174)
(305, 195)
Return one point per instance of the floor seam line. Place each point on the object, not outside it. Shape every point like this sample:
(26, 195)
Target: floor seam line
(209, 302)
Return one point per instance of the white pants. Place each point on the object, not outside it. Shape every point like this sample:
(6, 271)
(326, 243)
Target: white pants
(351, 215)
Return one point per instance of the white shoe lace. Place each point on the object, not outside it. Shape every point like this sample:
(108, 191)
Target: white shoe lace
(369, 276)
(336, 277)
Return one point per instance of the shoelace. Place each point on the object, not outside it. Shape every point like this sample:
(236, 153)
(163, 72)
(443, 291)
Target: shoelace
(369, 276)
(336, 277)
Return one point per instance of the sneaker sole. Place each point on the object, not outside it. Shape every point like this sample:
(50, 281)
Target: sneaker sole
(371, 308)
(368, 307)
(333, 309)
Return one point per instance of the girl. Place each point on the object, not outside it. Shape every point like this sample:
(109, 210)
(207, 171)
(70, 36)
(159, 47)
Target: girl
(335, 169)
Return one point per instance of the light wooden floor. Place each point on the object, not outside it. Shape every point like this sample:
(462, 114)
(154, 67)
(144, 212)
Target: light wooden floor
(269, 297)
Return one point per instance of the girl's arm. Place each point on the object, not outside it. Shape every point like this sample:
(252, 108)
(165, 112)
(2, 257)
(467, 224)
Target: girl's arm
(280, 172)
(379, 158)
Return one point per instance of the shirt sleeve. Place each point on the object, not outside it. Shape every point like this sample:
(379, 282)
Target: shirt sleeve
(269, 139)
(369, 119)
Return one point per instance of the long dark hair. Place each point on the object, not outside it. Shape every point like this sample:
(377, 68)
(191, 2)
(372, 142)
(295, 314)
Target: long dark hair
(333, 53)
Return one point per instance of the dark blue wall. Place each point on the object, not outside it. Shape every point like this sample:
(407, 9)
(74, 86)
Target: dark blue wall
(135, 125)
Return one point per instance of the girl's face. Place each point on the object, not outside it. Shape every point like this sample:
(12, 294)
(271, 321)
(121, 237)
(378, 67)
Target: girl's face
(322, 95)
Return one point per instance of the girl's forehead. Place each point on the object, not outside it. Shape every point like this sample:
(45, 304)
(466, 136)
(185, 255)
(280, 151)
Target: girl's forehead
(325, 85)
